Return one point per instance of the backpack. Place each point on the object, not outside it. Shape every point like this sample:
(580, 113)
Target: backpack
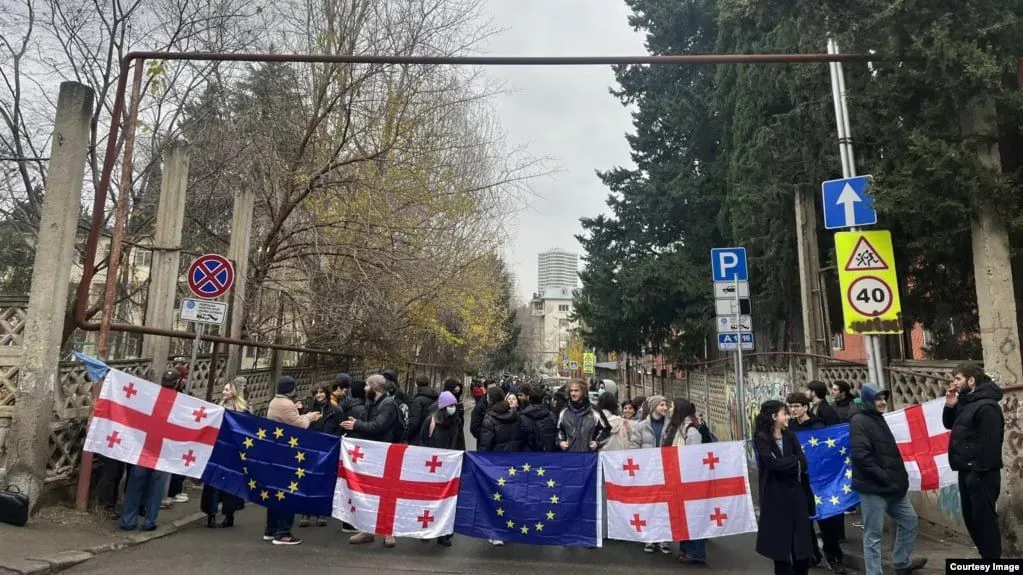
(545, 434)
(403, 433)
(705, 433)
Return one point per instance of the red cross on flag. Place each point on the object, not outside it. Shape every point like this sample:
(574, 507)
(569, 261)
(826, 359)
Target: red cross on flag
(399, 490)
(678, 493)
(923, 442)
(142, 423)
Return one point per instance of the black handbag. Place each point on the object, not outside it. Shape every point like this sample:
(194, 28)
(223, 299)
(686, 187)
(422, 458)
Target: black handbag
(13, 506)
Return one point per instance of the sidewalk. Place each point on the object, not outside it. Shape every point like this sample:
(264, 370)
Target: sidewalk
(931, 543)
(59, 537)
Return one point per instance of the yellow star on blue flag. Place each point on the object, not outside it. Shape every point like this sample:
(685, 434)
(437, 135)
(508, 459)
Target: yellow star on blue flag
(830, 469)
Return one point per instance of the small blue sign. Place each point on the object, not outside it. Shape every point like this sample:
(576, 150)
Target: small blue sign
(730, 341)
(729, 264)
(847, 203)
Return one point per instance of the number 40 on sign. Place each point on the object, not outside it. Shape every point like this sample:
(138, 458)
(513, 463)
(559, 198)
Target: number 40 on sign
(870, 286)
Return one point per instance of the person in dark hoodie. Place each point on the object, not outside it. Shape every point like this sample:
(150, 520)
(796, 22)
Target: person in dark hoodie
(454, 387)
(974, 415)
(419, 407)
(844, 400)
(539, 426)
(501, 429)
(830, 528)
(479, 411)
(819, 406)
(879, 476)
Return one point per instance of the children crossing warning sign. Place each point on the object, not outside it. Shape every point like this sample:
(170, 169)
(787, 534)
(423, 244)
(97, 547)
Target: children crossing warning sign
(865, 257)
(870, 287)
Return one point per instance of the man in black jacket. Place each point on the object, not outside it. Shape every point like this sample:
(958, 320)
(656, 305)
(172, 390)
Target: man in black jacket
(539, 426)
(379, 424)
(419, 407)
(879, 476)
(974, 415)
(831, 528)
(819, 403)
(479, 411)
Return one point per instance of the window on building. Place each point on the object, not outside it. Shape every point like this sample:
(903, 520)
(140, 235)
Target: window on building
(538, 305)
(563, 307)
(838, 341)
(143, 258)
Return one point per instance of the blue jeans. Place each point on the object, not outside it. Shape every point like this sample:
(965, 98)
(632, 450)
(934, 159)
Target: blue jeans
(695, 549)
(278, 523)
(901, 510)
(143, 485)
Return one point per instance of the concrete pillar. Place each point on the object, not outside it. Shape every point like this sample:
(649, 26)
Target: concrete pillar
(996, 306)
(39, 375)
(814, 338)
(238, 252)
(164, 272)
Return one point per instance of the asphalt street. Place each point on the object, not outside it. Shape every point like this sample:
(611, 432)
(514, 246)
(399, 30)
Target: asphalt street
(240, 550)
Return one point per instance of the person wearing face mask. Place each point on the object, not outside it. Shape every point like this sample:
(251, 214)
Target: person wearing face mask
(442, 429)
(786, 500)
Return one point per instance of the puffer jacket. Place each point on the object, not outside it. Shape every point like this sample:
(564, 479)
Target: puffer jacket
(643, 435)
(419, 410)
(689, 434)
(621, 434)
(845, 408)
(539, 428)
(579, 428)
(501, 429)
(877, 465)
(380, 422)
(978, 429)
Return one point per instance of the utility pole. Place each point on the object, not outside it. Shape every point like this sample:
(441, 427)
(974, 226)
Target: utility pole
(872, 343)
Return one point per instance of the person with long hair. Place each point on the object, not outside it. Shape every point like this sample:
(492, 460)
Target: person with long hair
(329, 422)
(786, 500)
(232, 397)
(683, 429)
(580, 428)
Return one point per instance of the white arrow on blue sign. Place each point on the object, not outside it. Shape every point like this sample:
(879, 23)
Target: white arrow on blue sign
(729, 264)
(730, 341)
(847, 203)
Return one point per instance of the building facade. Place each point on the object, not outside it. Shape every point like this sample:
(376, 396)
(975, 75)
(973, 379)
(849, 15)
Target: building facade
(557, 268)
(551, 312)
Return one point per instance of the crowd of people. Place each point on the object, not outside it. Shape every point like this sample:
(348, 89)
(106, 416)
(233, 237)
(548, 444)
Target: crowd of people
(510, 415)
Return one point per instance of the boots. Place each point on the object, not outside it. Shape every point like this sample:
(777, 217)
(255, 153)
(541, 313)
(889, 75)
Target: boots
(211, 521)
(228, 521)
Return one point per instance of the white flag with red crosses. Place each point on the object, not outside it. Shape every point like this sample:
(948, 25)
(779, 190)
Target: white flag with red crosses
(142, 423)
(923, 442)
(678, 493)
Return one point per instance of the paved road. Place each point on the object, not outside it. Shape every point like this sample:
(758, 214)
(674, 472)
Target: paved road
(241, 551)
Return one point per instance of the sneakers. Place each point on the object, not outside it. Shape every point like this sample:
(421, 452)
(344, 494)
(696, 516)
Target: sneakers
(914, 565)
(348, 528)
(321, 522)
(304, 522)
(286, 540)
(648, 548)
(181, 498)
(665, 548)
(496, 543)
(359, 538)
(166, 503)
(268, 538)
(389, 542)
(444, 541)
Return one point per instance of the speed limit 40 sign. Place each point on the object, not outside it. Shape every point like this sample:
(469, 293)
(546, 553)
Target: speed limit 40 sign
(870, 286)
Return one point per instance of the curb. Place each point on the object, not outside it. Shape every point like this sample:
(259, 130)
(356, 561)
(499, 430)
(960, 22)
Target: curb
(57, 562)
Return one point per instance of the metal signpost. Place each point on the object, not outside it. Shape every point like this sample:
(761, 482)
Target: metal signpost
(732, 303)
(210, 276)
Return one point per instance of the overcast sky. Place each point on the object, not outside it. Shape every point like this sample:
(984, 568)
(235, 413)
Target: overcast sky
(563, 113)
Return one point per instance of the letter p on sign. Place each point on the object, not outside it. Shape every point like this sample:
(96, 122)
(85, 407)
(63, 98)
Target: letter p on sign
(729, 264)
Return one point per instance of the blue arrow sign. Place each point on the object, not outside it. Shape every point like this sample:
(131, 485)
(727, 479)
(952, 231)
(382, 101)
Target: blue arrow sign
(847, 203)
(729, 264)
(730, 341)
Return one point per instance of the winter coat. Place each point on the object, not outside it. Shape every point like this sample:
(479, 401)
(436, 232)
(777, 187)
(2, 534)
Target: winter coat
(419, 410)
(441, 431)
(845, 408)
(539, 428)
(479, 411)
(643, 435)
(786, 500)
(330, 418)
(283, 409)
(688, 435)
(813, 422)
(621, 436)
(978, 429)
(579, 429)
(877, 465)
(501, 430)
(380, 422)
(826, 413)
(356, 408)
(213, 498)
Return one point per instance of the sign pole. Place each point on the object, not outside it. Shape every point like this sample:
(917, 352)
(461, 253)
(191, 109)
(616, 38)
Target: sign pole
(875, 368)
(199, 328)
(740, 393)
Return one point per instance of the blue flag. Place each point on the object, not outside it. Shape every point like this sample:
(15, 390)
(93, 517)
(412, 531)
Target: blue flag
(539, 498)
(94, 368)
(828, 458)
(274, 464)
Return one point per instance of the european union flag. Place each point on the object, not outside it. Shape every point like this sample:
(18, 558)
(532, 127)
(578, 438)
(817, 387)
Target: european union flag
(539, 498)
(274, 464)
(827, 456)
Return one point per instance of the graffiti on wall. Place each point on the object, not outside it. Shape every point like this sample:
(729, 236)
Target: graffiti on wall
(760, 387)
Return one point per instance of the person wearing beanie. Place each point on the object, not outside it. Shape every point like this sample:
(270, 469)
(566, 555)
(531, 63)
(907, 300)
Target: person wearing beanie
(441, 430)
(651, 433)
(454, 387)
(283, 409)
(879, 476)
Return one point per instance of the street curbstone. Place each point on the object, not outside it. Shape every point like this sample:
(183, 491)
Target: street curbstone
(64, 559)
(25, 567)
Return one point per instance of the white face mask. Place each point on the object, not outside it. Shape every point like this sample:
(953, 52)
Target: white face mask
(450, 409)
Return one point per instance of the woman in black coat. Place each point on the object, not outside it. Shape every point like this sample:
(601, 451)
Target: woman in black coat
(786, 501)
(501, 430)
(454, 387)
(329, 422)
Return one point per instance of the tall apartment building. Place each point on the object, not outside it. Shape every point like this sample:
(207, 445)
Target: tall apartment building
(557, 268)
